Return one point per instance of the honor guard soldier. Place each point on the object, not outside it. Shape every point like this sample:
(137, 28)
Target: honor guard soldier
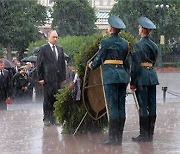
(112, 57)
(144, 79)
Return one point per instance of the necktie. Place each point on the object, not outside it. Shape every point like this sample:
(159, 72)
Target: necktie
(2, 72)
(54, 51)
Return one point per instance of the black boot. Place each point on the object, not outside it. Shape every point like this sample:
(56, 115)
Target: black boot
(152, 120)
(52, 119)
(121, 128)
(144, 133)
(113, 134)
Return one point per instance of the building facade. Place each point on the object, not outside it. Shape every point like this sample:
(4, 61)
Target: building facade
(102, 8)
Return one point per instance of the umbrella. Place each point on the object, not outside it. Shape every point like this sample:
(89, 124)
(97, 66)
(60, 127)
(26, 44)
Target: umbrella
(32, 59)
(24, 59)
(8, 64)
(35, 50)
(67, 57)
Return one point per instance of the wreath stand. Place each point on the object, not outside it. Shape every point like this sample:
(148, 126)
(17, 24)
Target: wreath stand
(132, 92)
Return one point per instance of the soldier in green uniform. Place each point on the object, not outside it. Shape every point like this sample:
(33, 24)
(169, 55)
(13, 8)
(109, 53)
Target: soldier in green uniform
(144, 79)
(112, 58)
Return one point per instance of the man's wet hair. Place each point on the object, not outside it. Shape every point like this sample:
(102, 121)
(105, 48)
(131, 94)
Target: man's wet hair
(51, 32)
(1, 61)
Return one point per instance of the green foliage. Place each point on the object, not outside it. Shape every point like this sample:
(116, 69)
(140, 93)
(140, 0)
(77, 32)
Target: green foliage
(165, 19)
(177, 64)
(70, 113)
(64, 104)
(91, 48)
(19, 21)
(166, 49)
(73, 45)
(73, 17)
(1, 52)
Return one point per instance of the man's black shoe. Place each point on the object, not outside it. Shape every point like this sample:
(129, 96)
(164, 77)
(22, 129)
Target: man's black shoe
(110, 142)
(54, 123)
(46, 123)
(150, 138)
(140, 138)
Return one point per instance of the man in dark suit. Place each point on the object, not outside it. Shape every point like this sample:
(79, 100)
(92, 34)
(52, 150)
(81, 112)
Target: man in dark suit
(17, 65)
(51, 72)
(144, 79)
(5, 86)
(112, 57)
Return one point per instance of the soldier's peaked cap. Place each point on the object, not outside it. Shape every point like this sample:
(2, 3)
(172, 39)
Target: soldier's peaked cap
(116, 22)
(146, 23)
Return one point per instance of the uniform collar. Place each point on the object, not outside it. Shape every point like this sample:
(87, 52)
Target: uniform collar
(145, 37)
(114, 34)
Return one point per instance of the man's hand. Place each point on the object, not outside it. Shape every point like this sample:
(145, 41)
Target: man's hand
(24, 88)
(9, 100)
(41, 82)
(71, 85)
(89, 65)
(132, 87)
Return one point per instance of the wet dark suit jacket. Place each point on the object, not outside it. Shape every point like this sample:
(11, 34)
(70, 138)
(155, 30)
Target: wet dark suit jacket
(53, 72)
(5, 88)
(145, 78)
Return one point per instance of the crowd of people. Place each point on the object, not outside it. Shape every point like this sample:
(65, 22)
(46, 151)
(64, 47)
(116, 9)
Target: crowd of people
(17, 82)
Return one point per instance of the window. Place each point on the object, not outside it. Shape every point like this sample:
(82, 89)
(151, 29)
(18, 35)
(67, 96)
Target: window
(101, 2)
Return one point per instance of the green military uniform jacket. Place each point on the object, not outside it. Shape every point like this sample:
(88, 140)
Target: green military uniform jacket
(113, 48)
(144, 51)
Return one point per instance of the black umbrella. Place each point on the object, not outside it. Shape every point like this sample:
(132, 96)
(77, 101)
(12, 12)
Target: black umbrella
(32, 59)
(67, 58)
(35, 50)
(24, 59)
(8, 64)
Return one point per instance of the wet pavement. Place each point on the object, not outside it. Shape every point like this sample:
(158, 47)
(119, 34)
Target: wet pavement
(23, 132)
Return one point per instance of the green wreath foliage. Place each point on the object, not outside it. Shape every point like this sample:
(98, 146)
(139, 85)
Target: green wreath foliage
(70, 113)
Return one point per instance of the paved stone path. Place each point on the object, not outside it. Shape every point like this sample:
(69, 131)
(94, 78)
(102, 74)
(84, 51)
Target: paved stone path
(22, 130)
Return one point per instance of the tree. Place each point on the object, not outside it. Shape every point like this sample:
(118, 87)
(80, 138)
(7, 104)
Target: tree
(19, 21)
(165, 18)
(73, 17)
